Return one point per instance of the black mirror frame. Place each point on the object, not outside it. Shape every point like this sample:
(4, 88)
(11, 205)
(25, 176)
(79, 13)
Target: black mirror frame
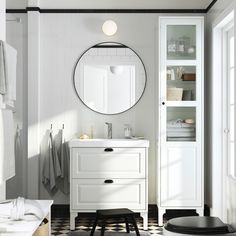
(96, 45)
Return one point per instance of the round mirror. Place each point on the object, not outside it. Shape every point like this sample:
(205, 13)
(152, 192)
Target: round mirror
(109, 78)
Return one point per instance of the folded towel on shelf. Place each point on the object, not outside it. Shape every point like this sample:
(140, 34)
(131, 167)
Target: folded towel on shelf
(180, 129)
(8, 61)
(180, 139)
(178, 123)
(179, 134)
(7, 155)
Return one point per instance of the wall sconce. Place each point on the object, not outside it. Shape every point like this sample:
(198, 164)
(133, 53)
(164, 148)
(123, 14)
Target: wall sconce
(109, 27)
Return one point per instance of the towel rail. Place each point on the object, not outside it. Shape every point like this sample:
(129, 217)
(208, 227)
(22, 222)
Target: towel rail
(18, 20)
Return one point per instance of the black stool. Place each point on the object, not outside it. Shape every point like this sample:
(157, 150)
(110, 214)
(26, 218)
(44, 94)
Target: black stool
(122, 213)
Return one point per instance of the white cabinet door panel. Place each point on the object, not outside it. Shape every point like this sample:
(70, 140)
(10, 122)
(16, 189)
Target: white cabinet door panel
(118, 163)
(180, 176)
(95, 194)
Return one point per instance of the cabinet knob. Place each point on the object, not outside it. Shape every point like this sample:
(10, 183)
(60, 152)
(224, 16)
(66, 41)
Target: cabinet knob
(108, 181)
(108, 150)
(163, 103)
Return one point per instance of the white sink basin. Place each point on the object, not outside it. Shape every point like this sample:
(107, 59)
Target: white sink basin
(108, 143)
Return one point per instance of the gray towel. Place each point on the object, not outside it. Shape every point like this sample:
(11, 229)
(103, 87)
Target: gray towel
(63, 156)
(48, 178)
(3, 76)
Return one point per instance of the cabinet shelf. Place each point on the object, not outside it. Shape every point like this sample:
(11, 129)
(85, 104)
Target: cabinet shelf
(181, 103)
(181, 62)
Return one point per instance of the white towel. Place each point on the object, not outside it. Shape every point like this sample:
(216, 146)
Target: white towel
(16, 209)
(10, 61)
(3, 77)
(7, 156)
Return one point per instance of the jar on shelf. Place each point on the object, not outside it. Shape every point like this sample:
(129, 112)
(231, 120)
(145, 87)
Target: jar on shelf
(172, 46)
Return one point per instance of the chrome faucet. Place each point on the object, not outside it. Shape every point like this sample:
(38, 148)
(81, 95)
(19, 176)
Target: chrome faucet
(109, 130)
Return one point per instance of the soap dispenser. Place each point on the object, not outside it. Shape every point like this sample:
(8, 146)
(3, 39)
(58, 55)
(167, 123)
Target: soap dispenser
(128, 131)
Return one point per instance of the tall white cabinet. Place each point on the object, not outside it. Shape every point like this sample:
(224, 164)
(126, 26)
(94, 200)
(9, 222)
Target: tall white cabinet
(181, 109)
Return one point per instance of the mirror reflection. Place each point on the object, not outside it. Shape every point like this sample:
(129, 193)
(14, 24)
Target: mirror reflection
(109, 78)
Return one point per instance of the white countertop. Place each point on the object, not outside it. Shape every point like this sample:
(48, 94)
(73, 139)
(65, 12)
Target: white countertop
(108, 143)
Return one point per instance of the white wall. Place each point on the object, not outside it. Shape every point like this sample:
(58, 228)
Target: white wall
(64, 37)
(213, 193)
(16, 36)
(2, 37)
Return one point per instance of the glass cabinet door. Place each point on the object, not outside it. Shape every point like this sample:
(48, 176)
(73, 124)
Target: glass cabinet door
(181, 124)
(181, 42)
(181, 83)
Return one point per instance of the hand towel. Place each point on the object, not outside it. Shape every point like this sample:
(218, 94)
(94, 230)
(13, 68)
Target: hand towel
(46, 152)
(7, 155)
(63, 181)
(10, 65)
(3, 75)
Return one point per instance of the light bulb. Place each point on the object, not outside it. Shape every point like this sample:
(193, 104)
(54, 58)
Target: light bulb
(109, 27)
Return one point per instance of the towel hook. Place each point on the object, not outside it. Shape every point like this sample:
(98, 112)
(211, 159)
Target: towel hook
(51, 126)
(63, 126)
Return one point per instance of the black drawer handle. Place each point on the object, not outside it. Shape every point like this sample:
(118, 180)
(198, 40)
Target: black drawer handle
(108, 181)
(108, 150)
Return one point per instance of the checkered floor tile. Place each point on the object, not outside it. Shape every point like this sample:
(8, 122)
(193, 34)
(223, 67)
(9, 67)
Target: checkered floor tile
(61, 225)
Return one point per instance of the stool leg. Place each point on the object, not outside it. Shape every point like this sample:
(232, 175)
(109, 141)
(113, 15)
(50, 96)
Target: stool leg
(127, 225)
(94, 226)
(103, 228)
(135, 225)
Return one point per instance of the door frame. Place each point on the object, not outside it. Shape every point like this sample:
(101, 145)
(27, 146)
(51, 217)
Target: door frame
(219, 163)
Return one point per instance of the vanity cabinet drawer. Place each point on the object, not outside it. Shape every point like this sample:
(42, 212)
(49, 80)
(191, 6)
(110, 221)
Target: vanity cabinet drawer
(108, 163)
(90, 194)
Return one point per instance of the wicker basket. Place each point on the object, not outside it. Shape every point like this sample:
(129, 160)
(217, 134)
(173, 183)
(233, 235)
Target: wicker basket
(43, 229)
(174, 94)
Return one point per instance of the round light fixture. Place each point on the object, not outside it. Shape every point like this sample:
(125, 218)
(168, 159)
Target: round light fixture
(109, 27)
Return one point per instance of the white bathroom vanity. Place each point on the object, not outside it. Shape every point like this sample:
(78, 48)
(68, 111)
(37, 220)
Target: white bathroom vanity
(107, 174)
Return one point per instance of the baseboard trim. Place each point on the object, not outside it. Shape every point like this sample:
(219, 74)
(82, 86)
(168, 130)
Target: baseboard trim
(63, 210)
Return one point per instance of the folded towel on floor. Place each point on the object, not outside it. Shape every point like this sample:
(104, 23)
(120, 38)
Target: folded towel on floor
(7, 155)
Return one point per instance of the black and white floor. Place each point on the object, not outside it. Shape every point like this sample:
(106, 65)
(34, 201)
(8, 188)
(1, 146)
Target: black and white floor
(61, 226)
(84, 222)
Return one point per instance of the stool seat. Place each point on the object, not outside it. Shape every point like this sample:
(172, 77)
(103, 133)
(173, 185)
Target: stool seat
(115, 212)
(124, 213)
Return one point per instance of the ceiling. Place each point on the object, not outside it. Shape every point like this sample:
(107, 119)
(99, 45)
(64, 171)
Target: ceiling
(113, 4)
